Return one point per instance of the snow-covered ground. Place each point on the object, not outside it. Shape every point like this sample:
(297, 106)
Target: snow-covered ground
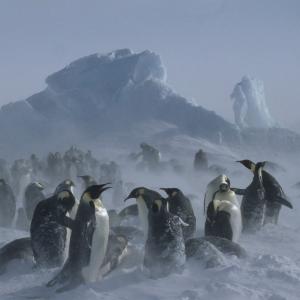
(271, 270)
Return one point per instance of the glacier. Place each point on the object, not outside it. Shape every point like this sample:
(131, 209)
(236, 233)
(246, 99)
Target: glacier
(121, 99)
(249, 106)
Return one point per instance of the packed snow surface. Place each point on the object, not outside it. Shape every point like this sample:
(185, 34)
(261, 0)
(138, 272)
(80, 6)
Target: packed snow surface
(270, 271)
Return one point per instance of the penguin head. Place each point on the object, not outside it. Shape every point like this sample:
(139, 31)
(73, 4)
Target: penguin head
(225, 184)
(38, 185)
(67, 184)
(92, 194)
(135, 193)
(248, 164)
(66, 200)
(171, 192)
(144, 194)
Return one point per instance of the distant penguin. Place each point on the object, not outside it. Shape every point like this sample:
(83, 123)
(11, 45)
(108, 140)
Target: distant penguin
(223, 213)
(181, 206)
(254, 201)
(144, 198)
(22, 222)
(165, 247)
(7, 204)
(274, 194)
(88, 180)
(88, 243)
(47, 230)
(33, 195)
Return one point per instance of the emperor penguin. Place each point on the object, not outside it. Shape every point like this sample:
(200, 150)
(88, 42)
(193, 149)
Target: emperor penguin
(33, 195)
(88, 243)
(274, 194)
(223, 213)
(165, 247)
(47, 229)
(181, 206)
(7, 204)
(254, 201)
(144, 198)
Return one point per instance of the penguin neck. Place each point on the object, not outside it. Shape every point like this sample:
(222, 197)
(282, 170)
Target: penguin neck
(143, 214)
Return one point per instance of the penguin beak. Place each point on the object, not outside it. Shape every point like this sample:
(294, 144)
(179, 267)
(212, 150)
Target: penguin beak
(248, 164)
(41, 186)
(104, 184)
(103, 188)
(127, 198)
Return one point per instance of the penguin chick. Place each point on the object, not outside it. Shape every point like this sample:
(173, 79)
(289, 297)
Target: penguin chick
(7, 203)
(33, 195)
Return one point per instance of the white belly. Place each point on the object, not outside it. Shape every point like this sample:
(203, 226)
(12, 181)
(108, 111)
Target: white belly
(72, 215)
(235, 217)
(228, 196)
(212, 188)
(99, 245)
(143, 215)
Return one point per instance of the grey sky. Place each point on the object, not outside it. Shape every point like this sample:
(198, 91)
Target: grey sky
(206, 45)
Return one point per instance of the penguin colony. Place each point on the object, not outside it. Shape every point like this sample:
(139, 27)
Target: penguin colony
(86, 241)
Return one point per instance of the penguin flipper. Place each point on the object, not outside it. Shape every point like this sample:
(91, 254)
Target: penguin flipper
(66, 221)
(283, 201)
(239, 191)
(184, 224)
